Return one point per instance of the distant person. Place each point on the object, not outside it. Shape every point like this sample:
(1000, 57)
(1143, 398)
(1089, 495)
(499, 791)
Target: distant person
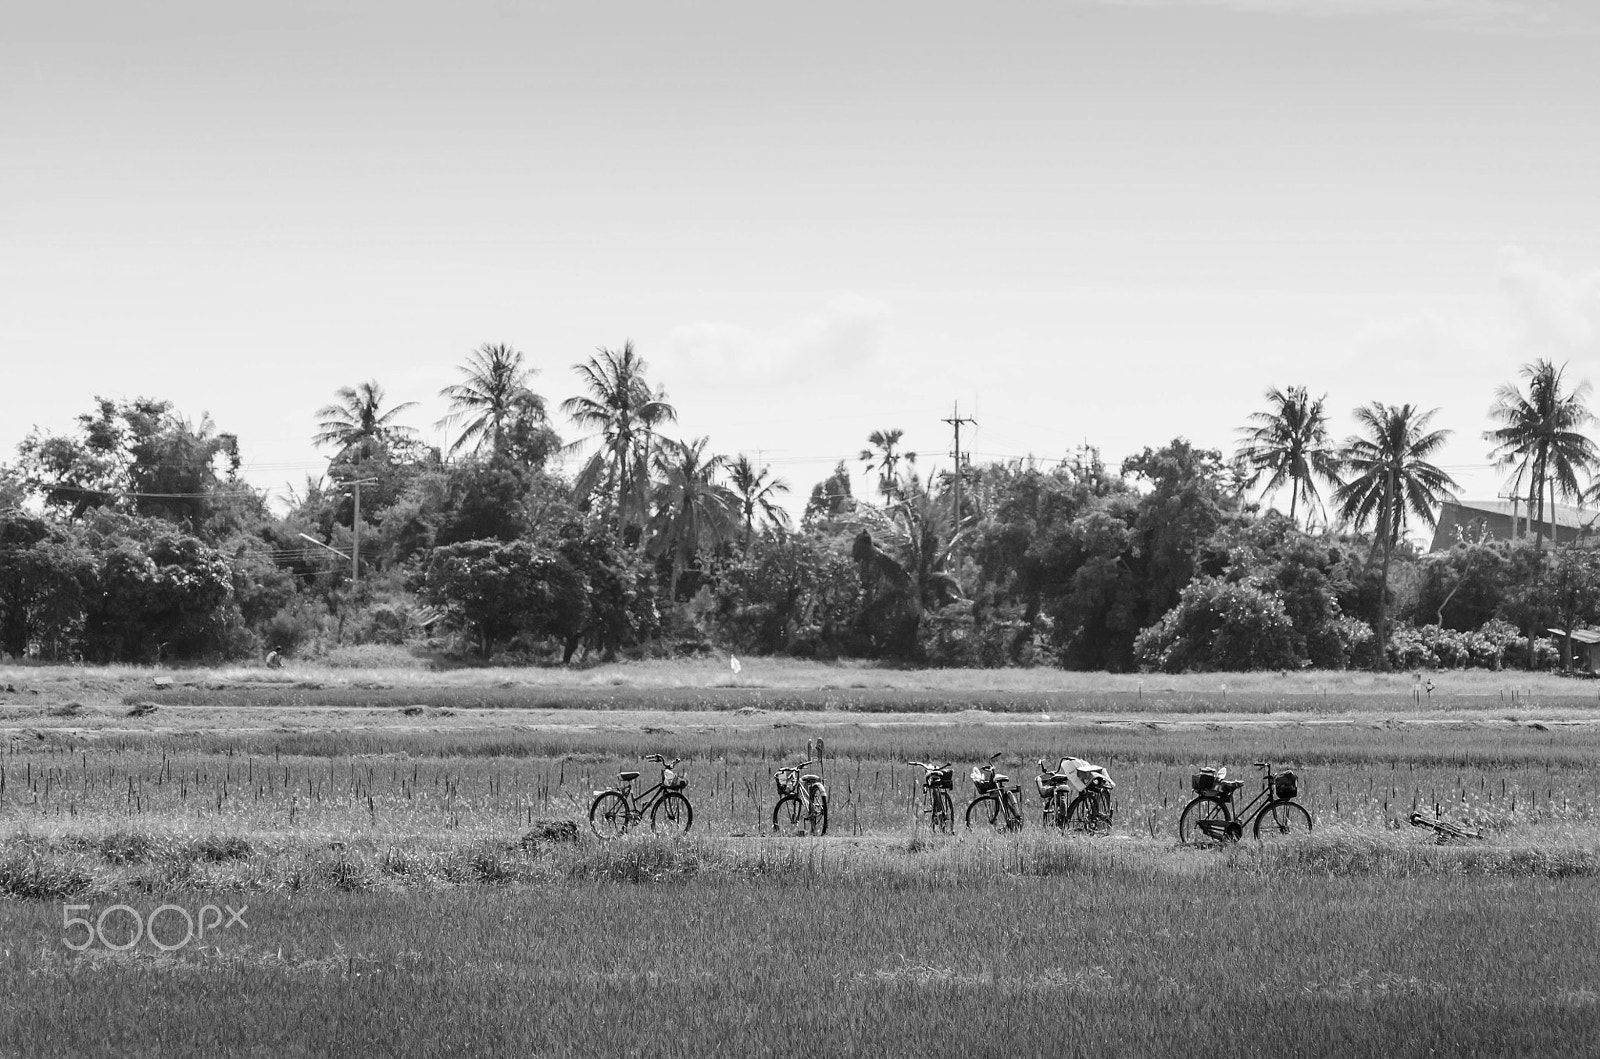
(275, 658)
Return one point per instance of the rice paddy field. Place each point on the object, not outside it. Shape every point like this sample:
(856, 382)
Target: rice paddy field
(382, 862)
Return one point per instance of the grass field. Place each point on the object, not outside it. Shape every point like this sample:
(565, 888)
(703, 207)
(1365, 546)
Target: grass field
(377, 828)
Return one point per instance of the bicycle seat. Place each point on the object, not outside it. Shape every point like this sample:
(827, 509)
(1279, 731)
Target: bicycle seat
(627, 777)
(1229, 786)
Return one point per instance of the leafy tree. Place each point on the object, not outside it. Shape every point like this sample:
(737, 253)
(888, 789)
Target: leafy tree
(357, 424)
(1570, 589)
(883, 457)
(693, 512)
(830, 499)
(1542, 438)
(46, 576)
(499, 590)
(791, 594)
(625, 411)
(1290, 445)
(756, 492)
(140, 457)
(498, 409)
(1189, 498)
(159, 594)
(1391, 476)
(619, 592)
(1220, 625)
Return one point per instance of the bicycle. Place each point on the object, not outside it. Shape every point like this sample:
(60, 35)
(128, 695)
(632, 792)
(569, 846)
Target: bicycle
(996, 805)
(616, 810)
(802, 801)
(1444, 831)
(1210, 817)
(1077, 794)
(937, 781)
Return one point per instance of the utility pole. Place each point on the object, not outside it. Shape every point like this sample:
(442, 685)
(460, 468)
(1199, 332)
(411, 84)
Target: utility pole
(955, 422)
(355, 529)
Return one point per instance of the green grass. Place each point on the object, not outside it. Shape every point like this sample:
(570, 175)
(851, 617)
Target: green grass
(396, 909)
(1010, 948)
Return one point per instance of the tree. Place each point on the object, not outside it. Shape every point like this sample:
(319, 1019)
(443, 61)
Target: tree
(1570, 588)
(692, 510)
(1220, 625)
(1391, 476)
(358, 424)
(499, 590)
(45, 578)
(830, 499)
(1290, 445)
(141, 457)
(886, 460)
(1541, 438)
(756, 492)
(624, 410)
(494, 402)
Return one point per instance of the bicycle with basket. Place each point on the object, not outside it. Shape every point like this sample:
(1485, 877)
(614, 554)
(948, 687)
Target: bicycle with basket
(1273, 813)
(802, 805)
(937, 781)
(1076, 794)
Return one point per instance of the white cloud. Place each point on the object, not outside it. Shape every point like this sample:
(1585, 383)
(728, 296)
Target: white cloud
(845, 334)
(1555, 314)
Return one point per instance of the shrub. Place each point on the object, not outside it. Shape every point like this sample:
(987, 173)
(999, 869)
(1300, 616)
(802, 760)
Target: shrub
(1219, 625)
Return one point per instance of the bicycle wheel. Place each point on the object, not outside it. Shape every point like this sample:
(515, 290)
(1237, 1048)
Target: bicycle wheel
(943, 816)
(1091, 812)
(1052, 814)
(1013, 811)
(1201, 809)
(786, 814)
(608, 815)
(672, 815)
(985, 812)
(1282, 820)
(817, 819)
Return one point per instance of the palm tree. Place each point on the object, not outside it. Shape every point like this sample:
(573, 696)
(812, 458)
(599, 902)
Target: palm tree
(494, 397)
(1390, 476)
(1290, 445)
(624, 410)
(1541, 439)
(357, 423)
(886, 459)
(756, 492)
(692, 511)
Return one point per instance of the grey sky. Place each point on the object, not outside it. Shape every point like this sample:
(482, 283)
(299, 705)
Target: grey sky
(1111, 220)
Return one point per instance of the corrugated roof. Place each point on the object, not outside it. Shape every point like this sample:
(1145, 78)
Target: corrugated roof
(1578, 635)
(1565, 515)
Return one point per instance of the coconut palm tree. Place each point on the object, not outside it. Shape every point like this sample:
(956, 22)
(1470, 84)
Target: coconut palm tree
(1290, 445)
(1541, 439)
(1389, 476)
(625, 412)
(358, 424)
(756, 492)
(492, 400)
(692, 510)
(882, 455)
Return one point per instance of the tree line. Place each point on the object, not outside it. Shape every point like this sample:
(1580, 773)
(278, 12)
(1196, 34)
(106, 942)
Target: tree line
(132, 538)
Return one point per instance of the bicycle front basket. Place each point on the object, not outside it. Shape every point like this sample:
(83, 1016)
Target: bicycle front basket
(1286, 785)
(788, 780)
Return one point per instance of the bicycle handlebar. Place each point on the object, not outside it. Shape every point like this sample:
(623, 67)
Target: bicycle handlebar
(930, 766)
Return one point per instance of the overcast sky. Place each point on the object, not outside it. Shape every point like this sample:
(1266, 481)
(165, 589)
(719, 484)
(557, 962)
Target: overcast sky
(1112, 221)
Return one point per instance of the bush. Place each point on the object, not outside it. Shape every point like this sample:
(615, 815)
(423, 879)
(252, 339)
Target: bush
(1219, 625)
